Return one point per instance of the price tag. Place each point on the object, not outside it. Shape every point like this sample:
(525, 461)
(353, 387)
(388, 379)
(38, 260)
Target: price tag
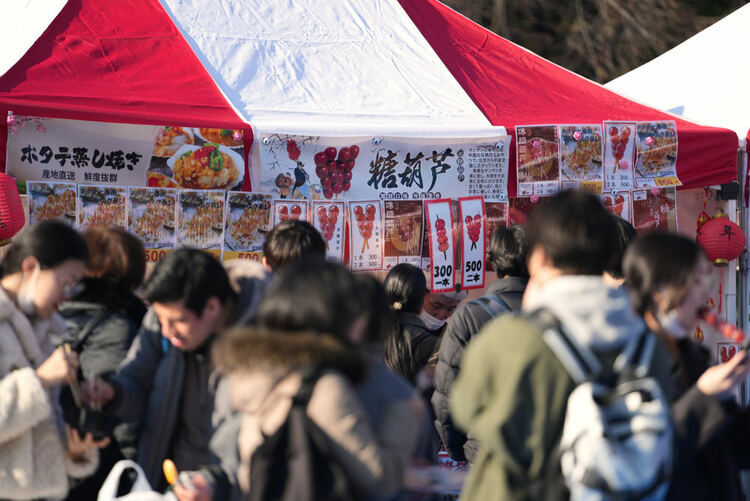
(440, 227)
(471, 213)
(366, 232)
(328, 219)
(285, 209)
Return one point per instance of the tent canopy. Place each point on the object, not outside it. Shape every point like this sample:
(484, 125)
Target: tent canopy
(702, 79)
(513, 86)
(355, 67)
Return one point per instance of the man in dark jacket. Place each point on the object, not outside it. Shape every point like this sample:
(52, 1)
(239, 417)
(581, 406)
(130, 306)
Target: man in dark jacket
(507, 255)
(165, 378)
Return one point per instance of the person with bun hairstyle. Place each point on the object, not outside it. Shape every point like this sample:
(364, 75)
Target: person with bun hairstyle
(410, 344)
(42, 268)
(670, 281)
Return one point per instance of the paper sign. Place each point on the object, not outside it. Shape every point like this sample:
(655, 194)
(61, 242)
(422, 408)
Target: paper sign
(152, 217)
(247, 220)
(471, 217)
(655, 211)
(442, 251)
(537, 152)
(99, 153)
(403, 233)
(102, 206)
(619, 155)
(656, 165)
(495, 216)
(51, 201)
(581, 157)
(619, 204)
(328, 219)
(284, 210)
(519, 210)
(384, 168)
(366, 235)
(201, 220)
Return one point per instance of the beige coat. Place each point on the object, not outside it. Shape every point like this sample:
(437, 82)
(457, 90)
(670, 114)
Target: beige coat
(262, 389)
(33, 462)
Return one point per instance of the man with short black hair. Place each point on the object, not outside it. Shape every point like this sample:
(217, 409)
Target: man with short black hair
(164, 380)
(507, 254)
(292, 241)
(512, 391)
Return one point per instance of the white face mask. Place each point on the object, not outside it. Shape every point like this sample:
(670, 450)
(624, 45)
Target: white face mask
(26, 292)
(431, 322)
(670, 322)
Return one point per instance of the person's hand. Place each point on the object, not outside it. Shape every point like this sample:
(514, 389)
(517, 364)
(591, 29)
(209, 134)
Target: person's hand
(201, 492)
(77, 446)
(59, 368)
(97, 393)
(722, 379)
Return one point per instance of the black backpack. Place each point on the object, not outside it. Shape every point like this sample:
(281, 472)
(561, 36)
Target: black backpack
(297, 462)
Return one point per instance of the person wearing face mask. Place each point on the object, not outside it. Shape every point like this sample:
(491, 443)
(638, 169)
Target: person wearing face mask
(411, 343)
(670, 281)
(38, 453)
(438, 308)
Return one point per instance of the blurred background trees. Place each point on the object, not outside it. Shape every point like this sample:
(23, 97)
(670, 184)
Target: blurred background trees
(599, 39)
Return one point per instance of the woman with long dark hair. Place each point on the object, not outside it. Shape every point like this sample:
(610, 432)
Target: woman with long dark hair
(410, 344)
(670, 281)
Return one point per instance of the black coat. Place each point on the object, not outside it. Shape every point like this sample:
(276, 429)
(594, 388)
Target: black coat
(712, 438)
(462, 326)
(119, 315)
(422, 341)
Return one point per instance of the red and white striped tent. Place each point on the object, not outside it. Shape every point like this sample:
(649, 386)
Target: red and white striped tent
(396, 67)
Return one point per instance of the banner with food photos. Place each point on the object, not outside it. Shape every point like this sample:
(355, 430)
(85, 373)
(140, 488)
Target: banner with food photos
(471, 218)
(102, 206)
(656, 162)
(52, 201)
(619, 203)
(152, 217)
(247, 221)
(537, 160)
(619, 155)
(403, 232)
(495, 216)
(201, 220)
(328, 219)
(655, 210)
(106, 154)
(383, 168)
(366, 235)
(439, 216)
(284, 210)
(581, 157)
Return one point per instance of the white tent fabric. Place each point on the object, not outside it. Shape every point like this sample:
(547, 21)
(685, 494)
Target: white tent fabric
(279, 64)
(22, 22)
(705, 79)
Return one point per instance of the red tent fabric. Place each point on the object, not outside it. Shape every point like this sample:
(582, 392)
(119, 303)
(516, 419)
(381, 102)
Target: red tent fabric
(119, 75)
(513, 86)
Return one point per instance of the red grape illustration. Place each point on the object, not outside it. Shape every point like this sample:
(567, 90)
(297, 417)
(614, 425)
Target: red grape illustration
(335, 172)
(442, 237)
(618, 141)
(327, 221)
(615, 206)
(365, 219)
(285, 213)
(473, 228)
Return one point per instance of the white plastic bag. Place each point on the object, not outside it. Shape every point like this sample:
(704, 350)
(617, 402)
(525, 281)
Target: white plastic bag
(141, 490)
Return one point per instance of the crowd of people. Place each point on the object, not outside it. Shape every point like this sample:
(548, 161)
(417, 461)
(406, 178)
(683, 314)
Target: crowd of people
(296, 379)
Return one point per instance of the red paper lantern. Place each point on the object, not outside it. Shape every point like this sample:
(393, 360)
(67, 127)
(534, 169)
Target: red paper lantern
(722, 240)
(12, 217)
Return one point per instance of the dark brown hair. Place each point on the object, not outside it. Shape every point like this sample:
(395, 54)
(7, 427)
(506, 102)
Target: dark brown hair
(293, 241)
(115, 254)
